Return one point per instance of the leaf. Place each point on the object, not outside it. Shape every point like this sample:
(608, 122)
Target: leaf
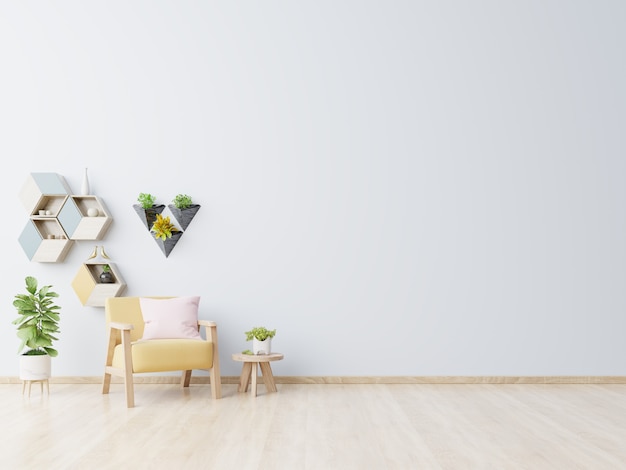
(31, 284)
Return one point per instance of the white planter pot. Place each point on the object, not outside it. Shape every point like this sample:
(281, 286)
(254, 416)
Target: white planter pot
(262, 347)
(35, 367)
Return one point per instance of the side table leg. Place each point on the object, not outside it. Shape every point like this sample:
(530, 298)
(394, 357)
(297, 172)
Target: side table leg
(255, 372)
(268, 377)
(244, 379)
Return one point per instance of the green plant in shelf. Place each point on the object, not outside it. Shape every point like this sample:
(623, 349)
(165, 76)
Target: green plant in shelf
(260, 333)
(146, 200)
(106, 268)
(182, 201)
(163, 228)
(38, 320)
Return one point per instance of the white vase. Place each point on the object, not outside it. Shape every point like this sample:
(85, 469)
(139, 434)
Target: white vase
(261, 347)
(35, 367)
(84, 188)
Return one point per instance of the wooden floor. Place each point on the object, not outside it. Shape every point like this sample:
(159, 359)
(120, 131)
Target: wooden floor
(322, 427)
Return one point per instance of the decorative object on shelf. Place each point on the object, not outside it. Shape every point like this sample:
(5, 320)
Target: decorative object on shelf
(183, 210)
(57, 218)
(97, 279)
(93, 212)
(84, 188)
(103, 253)
(37, 327)
(106, 277)
(94, 253)
(261, 339)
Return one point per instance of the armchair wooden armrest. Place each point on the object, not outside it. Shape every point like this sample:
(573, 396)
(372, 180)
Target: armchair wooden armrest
(121, 326)
(115, 330)
(210, 328)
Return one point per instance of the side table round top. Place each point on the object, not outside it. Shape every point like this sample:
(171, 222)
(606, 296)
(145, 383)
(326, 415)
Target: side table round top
(257, 358)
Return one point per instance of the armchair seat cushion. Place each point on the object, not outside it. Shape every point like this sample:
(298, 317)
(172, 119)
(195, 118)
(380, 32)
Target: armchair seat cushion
(162, 355)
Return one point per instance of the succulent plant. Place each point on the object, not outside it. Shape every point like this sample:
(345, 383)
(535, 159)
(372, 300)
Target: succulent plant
(163, 228)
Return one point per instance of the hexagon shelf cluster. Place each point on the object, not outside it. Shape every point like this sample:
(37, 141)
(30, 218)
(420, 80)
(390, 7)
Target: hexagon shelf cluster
(57, 217)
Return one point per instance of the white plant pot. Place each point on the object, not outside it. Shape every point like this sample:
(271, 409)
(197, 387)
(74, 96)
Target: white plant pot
(35, 367)
(262, 347)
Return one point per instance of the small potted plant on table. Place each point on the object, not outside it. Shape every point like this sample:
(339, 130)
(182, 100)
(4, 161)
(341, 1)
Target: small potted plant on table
(261, 339)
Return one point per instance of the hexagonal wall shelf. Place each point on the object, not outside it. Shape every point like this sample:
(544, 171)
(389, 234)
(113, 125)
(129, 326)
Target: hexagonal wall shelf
(44, 240)
(40, 189)
(90, 290)
(84, 218)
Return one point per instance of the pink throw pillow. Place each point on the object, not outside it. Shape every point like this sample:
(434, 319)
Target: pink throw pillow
(170, 318)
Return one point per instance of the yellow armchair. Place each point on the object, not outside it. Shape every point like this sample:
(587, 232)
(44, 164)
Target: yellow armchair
(127, 354)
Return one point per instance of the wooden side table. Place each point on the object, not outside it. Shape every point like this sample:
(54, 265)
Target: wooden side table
(251, 363)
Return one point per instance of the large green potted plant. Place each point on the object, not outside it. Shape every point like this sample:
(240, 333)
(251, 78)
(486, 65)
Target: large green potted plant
(183, 209)
(37, 326)
(261, 339)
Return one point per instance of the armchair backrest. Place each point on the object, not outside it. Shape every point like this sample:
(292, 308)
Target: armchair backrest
(126, 310)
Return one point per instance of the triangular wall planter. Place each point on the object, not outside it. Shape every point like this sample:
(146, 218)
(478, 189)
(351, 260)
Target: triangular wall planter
(148, 216)
(184, 216)
(168, 244)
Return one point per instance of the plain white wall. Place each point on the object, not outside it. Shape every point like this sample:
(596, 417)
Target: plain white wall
(399, 188)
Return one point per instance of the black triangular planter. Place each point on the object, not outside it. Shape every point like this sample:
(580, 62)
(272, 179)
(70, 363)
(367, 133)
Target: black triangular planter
(184, 216)
(148, 216)
(168, 244)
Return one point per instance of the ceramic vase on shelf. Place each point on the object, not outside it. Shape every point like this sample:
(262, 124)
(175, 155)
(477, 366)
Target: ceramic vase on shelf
(84, 188)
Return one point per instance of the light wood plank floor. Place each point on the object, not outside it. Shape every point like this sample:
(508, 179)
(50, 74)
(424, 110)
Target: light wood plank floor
(322, 427)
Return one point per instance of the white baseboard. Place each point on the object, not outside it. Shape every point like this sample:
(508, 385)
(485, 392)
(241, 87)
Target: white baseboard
(174, 379)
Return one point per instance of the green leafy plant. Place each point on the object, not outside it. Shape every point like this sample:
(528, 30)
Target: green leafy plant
(247, 352)
(182, 201)
(260, 333)
(106, 268)
(163, 228)
(146, 200)
(38, 319)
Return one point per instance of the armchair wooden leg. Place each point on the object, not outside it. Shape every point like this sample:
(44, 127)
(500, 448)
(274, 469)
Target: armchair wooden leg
(186, 378)
(106, 380)
(216, 383)
(128, 370)
(106, 383)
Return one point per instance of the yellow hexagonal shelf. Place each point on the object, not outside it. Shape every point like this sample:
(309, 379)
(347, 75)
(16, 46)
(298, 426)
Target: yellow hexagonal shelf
(90, 290)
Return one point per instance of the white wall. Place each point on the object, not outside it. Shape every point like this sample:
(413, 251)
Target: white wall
(399, 188)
